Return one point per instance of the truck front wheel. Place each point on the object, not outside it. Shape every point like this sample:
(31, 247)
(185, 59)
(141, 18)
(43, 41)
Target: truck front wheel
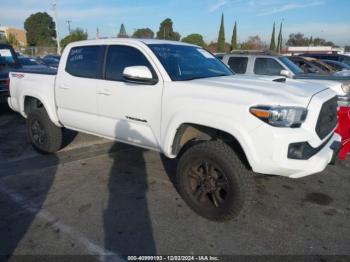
(213, 181)
(43, 134)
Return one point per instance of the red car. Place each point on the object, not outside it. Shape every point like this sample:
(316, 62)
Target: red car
(344, 131)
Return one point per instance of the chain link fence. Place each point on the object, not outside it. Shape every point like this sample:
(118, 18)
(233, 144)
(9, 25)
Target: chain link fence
(38, 51)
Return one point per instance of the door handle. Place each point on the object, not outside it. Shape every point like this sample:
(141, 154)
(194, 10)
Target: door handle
(106, 92)
(64, 86)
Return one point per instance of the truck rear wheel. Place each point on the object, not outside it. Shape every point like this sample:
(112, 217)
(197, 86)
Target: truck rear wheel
(43, 134)
(213, 181)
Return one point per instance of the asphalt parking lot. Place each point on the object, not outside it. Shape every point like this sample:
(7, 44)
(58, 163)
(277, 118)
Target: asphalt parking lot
(96, 197)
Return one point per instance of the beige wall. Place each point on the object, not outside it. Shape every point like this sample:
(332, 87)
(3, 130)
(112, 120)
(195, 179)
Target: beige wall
(19, 34)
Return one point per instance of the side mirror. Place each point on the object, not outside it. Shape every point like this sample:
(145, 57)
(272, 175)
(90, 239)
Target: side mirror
(285, 73)
(139, 75)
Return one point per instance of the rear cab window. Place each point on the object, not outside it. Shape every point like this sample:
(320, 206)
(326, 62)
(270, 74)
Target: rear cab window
(85, 61)
(238, 64)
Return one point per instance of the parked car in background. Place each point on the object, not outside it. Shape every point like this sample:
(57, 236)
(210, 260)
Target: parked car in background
(180, 100)
(31, 63)
(51, 60)
(342, 69)
(335, 57)
(339, 66)
(261, 64)
(8, 62)
(312, 65)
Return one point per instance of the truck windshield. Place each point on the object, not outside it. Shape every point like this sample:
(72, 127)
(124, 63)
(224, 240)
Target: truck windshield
(188, 62)
(292, 67)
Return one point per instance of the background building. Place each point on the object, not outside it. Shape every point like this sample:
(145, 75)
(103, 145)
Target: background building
(18, 34)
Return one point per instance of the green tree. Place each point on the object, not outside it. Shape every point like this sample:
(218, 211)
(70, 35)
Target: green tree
(143, 33)
(75, 35)
(234, 44)
(221, 37)
(273, 41)
(122, 32)
(167, 32)
(297, 39)
(12, 40)
(3, 39)
(40, 29)
(311, 41)
(280, 40)
(254, 43)
(195, 39)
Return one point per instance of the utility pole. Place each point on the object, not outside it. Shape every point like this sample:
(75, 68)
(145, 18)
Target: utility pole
(68, 24)
(54, 9)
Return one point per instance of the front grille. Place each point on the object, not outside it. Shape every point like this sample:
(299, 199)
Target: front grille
(328, 119)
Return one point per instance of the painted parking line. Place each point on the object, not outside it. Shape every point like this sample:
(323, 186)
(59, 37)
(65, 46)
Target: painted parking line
(91, 247)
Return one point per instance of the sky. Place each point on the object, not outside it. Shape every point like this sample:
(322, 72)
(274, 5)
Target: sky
(328, 19)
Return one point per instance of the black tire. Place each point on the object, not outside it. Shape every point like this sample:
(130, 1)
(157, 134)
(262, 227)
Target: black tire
(44, 136)
(217, 192)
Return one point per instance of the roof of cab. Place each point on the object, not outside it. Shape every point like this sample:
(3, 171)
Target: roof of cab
(127, 40)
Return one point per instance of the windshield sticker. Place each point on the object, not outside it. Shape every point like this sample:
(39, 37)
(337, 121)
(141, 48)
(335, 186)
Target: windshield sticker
(5, 52)
(205, 53)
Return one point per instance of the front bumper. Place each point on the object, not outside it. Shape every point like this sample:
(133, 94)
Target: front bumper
(273, 153)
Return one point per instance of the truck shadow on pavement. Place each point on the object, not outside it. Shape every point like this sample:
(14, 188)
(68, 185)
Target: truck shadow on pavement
(127, 222)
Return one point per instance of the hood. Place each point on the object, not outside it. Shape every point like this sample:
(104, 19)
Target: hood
(255, 90)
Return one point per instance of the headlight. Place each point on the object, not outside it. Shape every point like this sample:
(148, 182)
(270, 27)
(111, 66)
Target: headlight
(280, 116)
(346, 87)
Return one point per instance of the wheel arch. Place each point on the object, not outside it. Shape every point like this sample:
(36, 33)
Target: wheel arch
(31, 102)
(189, 133)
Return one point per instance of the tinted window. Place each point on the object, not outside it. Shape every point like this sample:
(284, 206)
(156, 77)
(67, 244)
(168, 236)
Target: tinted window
(267, 66)
(238, 64)
(119, 57)
(85, 61)
(345, 59)
(184, 62)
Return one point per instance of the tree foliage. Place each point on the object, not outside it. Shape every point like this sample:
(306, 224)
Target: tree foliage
(234, 44)
(12, 40)
(273, 38)
(195, 39)
(40, 29)
(254, 43)
(122, 32)
(167, 32)
(299, 39)
(75, 35)
(221, 37)
(3, 39)
(347, 48)
(280, 41)
(213, 47)
(143, 33)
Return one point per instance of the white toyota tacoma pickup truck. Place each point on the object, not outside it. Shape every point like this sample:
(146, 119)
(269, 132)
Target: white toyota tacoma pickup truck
(180, 100)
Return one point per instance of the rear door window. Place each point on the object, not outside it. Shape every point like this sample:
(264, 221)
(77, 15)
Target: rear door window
(85, 61)
(238, 64)
(267, 66)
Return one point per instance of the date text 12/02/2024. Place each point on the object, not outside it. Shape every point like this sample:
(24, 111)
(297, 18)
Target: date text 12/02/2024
(173, 258)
